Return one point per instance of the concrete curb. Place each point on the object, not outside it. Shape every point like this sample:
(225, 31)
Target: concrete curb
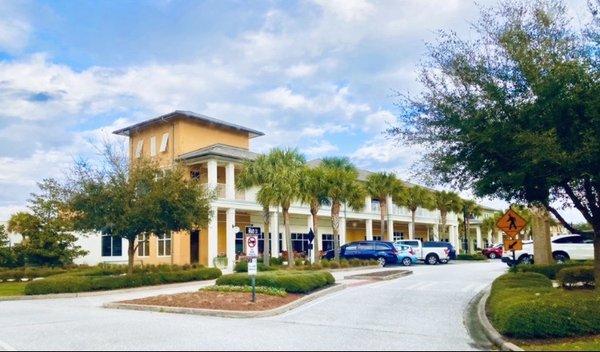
(489, 330)
(229, 313)
(356, 268)
(378, 278)
(102, 293)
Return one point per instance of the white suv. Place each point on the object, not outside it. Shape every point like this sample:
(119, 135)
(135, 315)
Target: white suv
(564, 247)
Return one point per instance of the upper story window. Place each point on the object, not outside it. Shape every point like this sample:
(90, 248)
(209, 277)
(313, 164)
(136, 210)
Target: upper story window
(138, 148)
(153, 146)
(164, 142)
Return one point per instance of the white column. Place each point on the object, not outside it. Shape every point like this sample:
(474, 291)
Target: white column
(390, 225)
(230, 224)
(342, 230)
(309, 224)
(274, 229)
(452, 233)
(368, 207)
(434, 230)
(479, 239)
(213, 236)
(230, 181)
(211, 165)
(369, 229)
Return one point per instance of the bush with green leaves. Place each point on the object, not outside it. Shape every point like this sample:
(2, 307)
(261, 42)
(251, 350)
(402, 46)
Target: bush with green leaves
(576, 276)
(271, 291)
(476, 256)
(525, 305)
(292, 281)
(550, 270)
(80, 283)
(242, 267)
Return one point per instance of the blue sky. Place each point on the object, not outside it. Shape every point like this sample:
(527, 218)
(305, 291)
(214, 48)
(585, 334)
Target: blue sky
(313, 74)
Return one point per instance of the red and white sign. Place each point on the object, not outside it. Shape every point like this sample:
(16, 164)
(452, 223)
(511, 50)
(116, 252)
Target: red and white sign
(252, 246)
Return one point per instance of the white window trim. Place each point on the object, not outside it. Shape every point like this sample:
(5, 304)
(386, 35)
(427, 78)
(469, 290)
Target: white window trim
(139, 148)
(164, 143)
(153, 146)
(164, 239)
(145, 238)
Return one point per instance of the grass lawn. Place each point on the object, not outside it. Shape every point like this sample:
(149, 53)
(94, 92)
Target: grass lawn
(12, 288)
(569, 344)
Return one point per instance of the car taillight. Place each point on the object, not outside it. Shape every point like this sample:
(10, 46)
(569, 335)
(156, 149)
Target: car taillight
(411, 251)
(446, 250)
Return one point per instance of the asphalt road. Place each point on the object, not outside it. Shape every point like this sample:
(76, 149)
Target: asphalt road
(423, 311)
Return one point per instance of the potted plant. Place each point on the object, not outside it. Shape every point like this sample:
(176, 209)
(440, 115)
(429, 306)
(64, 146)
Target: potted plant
(220, 261)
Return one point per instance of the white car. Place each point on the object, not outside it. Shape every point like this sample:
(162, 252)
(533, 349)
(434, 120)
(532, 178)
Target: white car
(564, 247)
(429, 255)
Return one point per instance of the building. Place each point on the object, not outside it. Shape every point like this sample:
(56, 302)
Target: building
(213, 151)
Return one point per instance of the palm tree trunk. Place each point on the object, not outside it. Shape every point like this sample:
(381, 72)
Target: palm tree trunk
(266, 236)
(468, 232)
(383, 213)
(288, 235)
(413, 215)
(314, 210)
(335, 224)
(443, 216)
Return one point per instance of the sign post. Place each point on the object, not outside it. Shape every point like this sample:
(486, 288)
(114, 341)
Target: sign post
(310, 237)
(511, 224)
(252, 253)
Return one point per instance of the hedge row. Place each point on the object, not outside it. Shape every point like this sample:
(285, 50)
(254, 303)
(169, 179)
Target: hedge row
(575, 276)
(29, 273)
(71, 284)
(242, 267)
(271, 291)
(550, 270)
(524, 305)
(290, 281)
(476, 256)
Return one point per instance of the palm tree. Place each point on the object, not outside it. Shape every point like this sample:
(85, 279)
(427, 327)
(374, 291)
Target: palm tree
(341, 186)
(489, 224)
(413, 198)
(380, 185)
(277, 174)
(446, 202)
(470, 210)
(313, 193)
(257, 173)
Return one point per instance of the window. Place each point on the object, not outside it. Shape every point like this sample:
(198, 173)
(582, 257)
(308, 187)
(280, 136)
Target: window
(365, 247)
(300, 242)
(138, 149)
(569, 239)
(239, 242)
(111, 246)
(164, 142)
(143, 245)
(351, 247)
(398, 236)
(153, 146)
(377, 238)
(164, 245)
(381, 247)
(195, 174)
(327, 241)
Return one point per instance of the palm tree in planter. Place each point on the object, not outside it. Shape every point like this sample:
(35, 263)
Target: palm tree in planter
(259, 173)
(313, 193)
(415, 197)
(341, 186)
(446, 202)
(380, 185)
(470, 210)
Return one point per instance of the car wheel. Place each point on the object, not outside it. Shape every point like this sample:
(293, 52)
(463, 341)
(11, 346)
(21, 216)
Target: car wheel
(381, 261)
(560, 258)
(492, 255)
(431, 259)
(406, 261)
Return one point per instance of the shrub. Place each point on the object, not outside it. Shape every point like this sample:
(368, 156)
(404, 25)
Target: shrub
(334, 264)
(576, 275)
(271, 291)
(476, 256)
(299, 262)
(354, 262)
(325, 263)
(549, 271)
(373, 262)
(276, 261)
(75, 283)
(344, 263)
(290, 281)
(242, 267)
(524, 305)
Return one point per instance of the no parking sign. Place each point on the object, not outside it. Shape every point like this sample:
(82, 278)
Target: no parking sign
(252, 241)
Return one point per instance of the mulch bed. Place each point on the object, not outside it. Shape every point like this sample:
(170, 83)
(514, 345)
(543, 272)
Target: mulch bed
(240, 301)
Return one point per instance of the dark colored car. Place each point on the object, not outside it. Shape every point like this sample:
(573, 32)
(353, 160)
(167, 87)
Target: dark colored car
(493, 252)
(384, 252)
(451, 249)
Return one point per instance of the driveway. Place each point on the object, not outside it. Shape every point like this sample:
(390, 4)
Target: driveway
(423, 311)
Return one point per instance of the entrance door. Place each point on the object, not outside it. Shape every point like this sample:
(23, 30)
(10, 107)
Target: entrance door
(195, 247)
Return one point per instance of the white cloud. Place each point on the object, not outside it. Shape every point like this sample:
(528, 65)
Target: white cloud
(379, 121)
(15, 28)
(348, 10)
(322, 148)
(301, 70)
(283, 97)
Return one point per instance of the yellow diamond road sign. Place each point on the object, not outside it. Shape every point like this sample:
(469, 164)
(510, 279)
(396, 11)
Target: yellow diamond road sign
(511, 223)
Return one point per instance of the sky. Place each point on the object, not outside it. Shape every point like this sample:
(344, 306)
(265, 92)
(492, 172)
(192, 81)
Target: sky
(319, 75)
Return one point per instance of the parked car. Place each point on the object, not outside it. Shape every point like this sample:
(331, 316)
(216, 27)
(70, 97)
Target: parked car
(384, 252)
(494, 251)
(451, 250)
(564, 247)
(406, 255)
(429, 255)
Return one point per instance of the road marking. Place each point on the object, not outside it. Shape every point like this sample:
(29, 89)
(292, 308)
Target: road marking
(6, 347)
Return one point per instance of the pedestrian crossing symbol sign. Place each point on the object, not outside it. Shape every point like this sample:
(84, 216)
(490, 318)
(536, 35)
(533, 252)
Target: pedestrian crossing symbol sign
(511, 223)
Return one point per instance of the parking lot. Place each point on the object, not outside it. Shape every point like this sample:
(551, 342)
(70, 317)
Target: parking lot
(422, 311)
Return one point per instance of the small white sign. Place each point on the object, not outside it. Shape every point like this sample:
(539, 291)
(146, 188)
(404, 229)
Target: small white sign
(252, 267)
(252, 246)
